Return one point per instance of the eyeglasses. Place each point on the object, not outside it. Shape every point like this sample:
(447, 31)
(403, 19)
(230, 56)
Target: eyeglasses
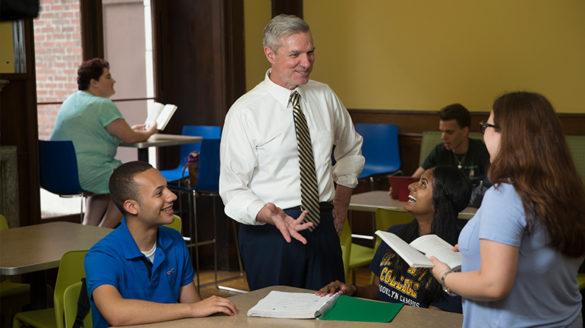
(485, 125)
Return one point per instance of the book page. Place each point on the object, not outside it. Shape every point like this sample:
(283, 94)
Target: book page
(433, 245)
(291, 305)
(413, 257)
(165, 116)
(153, 112)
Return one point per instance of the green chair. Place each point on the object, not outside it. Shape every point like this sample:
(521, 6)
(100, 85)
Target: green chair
(70, 298)
(13, 294)
(176, 224)
(70, 271)
(577, 148)
(581, 280)
(353, 255)
(385, 218)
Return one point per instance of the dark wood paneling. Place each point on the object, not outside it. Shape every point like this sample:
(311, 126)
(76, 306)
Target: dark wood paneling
(18, 126)
(199, 65)
(92, 29)
(290, 7)
(411, 124)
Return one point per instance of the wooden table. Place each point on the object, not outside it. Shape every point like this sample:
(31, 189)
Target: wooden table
(372, 200)
(35, 248)
(407, 317)
(161, 140)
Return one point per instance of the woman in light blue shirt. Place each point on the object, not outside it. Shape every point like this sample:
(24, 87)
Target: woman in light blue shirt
(96, 127)
(522, 250)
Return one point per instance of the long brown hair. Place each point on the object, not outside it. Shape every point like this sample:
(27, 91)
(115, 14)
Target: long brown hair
(533, 155)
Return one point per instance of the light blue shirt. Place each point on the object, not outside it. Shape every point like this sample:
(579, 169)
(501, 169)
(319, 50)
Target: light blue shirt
(82, 119)
(545, 291)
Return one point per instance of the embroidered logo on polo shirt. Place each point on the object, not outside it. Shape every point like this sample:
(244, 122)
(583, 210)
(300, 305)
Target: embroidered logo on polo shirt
(171, 271)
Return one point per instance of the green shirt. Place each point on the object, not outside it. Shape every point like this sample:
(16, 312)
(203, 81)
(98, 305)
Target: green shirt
(83, 118)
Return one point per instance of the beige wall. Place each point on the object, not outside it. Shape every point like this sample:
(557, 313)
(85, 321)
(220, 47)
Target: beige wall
(422, 55)
(256, 16)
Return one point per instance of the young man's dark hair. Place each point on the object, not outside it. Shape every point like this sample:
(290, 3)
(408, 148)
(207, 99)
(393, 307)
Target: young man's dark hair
(122, 185)
(90, 69)
(456, 112)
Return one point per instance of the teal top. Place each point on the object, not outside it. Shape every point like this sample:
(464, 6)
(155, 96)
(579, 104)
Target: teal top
(83, 118)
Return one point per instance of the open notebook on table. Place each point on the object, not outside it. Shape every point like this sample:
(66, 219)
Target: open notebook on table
(333, 307)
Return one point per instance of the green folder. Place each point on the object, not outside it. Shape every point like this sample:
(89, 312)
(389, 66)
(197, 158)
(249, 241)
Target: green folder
(349, 308)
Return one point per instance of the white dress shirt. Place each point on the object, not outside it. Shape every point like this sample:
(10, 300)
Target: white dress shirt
(259, 159)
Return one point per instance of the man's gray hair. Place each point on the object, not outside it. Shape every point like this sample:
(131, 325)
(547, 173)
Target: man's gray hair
(282, 26)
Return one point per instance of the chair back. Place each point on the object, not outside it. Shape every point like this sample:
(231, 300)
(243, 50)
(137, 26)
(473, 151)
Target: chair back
(208, 177)
(176, 224)
(58, 167)
(71, 271)
(70, 298)
(3, 223)
(380, 148)
(204, 131)
(577, 148)
(345, 241)
(385, 218)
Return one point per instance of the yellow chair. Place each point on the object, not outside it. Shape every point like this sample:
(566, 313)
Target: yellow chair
(13, 294)
(3, 223)
(581, 280)
(176, 224)
(70, 298)
(70, 271)
(353, 255)
(385, 218)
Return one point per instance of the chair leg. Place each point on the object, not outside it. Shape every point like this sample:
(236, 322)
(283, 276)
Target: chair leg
(214, 239)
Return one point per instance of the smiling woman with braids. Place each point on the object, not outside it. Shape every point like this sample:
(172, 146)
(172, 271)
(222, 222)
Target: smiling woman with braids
(522, 249)
(435, 202)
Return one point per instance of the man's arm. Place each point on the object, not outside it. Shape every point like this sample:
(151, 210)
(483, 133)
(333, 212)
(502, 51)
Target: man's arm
(119, 311)
(418, 172)
(340, 206)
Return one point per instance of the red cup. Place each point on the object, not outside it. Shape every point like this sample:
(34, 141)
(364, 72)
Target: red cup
(399, 186)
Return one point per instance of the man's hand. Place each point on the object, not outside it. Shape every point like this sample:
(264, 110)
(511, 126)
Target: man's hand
(288, 226)
(211, 305)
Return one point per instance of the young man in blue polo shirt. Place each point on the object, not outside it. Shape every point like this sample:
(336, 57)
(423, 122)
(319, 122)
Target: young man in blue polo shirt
(141, 272)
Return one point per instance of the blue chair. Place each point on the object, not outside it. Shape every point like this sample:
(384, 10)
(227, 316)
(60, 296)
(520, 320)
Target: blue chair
(58, 169)
(380, 148)
(204, 131)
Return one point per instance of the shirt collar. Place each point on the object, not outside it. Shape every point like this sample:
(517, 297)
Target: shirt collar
(129, 246)
(281, 94)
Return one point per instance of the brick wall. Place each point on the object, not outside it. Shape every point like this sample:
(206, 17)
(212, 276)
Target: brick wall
(57, 32)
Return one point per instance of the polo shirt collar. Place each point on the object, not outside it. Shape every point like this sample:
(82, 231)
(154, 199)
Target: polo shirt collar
(281, 94)
(129, 247)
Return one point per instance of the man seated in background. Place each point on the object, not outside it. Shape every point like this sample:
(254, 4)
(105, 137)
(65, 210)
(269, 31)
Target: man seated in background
(141, 272)
(460, 151)
(457, 149)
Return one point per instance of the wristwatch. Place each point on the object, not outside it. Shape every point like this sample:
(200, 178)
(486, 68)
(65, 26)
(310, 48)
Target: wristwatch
(445, 288)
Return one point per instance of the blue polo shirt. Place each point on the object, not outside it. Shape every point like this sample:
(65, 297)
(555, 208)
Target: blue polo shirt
(116, 260)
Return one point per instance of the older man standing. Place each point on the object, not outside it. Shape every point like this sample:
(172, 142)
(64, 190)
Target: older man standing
(276, 175)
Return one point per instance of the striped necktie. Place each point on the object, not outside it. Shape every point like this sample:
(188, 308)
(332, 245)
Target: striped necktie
(309, 187)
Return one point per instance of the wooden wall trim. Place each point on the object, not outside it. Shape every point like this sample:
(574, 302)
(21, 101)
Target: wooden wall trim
(412, 123)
